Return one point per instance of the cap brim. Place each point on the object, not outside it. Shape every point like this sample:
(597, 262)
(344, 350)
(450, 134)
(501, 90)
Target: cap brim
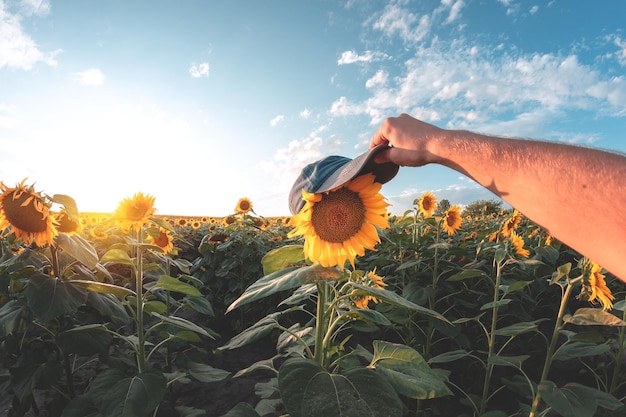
(360, 165)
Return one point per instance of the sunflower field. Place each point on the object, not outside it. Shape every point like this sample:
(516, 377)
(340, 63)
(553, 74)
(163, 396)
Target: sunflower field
(340, 310)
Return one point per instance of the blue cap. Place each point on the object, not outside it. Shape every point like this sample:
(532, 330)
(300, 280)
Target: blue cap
(334, 171)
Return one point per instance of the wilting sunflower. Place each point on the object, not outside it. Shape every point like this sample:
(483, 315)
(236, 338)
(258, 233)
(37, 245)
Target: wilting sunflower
(451, 221)
(427, 204)
(244, 205)
(25, 211)
(66, 224)
(374, 281)
(594, 285)
(518, 243)
(163, 240)
(340, 224)
(135, 212)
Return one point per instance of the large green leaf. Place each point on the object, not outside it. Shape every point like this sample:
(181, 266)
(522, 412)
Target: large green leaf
(119, 396)
(282, 280)
(307, 390)
(394, 299)
(117, 256)
(85, 340)
(408, 372)
(282, 257)
(26, 378)
(184, 324)
(253, 333)
(78, 248)
(103, 288)
(242, 410)
(575, 350)
(519, 328)
(573, 400)
(50, 297)
(169, 283)
(10, 315)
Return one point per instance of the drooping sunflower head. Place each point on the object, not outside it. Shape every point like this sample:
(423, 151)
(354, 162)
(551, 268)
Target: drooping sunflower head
(134, 213)
(66, 224)
(518, 245)
(511, 223)
(340, 224)
(427, 204)
(451, 221)
(244, 205)
(594, 285)
(27, 214)
(162, 238)
(373, 280)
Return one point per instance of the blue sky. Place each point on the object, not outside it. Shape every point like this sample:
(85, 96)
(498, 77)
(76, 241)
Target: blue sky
(200, 103)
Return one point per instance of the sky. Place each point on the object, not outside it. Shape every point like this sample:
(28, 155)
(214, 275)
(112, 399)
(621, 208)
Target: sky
(200, 103)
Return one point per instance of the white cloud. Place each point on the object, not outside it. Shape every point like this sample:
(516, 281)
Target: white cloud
(34, 7)
(534, 9)
(351, 57)
(7, 118)
(199, 70)
(17, 48)
(305, 114)
(378, 79)
(621, 53)
(396, 20)
(90, 77)
(277, 120)
(455, 11)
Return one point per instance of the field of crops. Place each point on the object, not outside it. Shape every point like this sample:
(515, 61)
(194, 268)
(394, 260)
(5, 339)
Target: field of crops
(454, 312)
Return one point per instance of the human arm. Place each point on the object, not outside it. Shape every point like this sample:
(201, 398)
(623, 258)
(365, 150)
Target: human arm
(578, 194)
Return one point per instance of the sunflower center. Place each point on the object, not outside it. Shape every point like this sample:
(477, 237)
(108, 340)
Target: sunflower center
(162, 240)
(244, 206)
(338, 216)
(30, 217)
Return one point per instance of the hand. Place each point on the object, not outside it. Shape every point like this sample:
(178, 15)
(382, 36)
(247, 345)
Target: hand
(410, 140)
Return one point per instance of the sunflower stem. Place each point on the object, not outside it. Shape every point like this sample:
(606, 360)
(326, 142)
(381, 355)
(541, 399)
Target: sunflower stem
(558, 325)
(320, 323)
(141, 351)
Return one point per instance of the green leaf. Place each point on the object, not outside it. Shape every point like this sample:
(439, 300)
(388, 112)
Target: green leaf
(69, 204)
(116, 256)
(593, 317)
(169, 283)
(78, 248)
(10, 315)
(109, 306)
(573, 400)
(200, 304)
(242, 410)
(282, 280)
(184, 411)
(514, 361)
(206, 373)
(580, 349)
(308, 390)
(102, 288)
(408, 372)
(370, 316)
(49, 297)
(183, 324)
(516, 286)
(392, 298)
(519, 328)
(496, 304)
(449, 356)
(253, 333)
(467, 274)
(85, 340)
(118, 396)
(26, 378)
(282, 257)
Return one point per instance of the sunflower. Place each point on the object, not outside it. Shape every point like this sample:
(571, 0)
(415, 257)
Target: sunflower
(451, 221)
(594, 285)
(374, 281)
(25, 211)
(228, 220)
(66, 224)
(244, 205)
(427, 204)
(518, 243)
(163, 240)
(338, 225)
(135, 212)
(511, 223)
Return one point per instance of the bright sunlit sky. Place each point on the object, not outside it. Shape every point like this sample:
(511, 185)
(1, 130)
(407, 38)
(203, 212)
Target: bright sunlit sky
(199, 103)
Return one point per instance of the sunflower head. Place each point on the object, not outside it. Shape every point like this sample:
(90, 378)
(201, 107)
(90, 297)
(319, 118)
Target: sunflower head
(373, 280)
(244, 205)
(517, 242)
(594, 286)
(510, 224)
(451, 221)
(27, 214)
(340, 224)
(427, 204)
(162, 238)
(67, 224)
(134, 213)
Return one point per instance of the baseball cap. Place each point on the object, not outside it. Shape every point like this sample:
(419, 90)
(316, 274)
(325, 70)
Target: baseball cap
(334, 171)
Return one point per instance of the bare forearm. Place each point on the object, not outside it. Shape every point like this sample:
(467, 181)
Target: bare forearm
(578, 194)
